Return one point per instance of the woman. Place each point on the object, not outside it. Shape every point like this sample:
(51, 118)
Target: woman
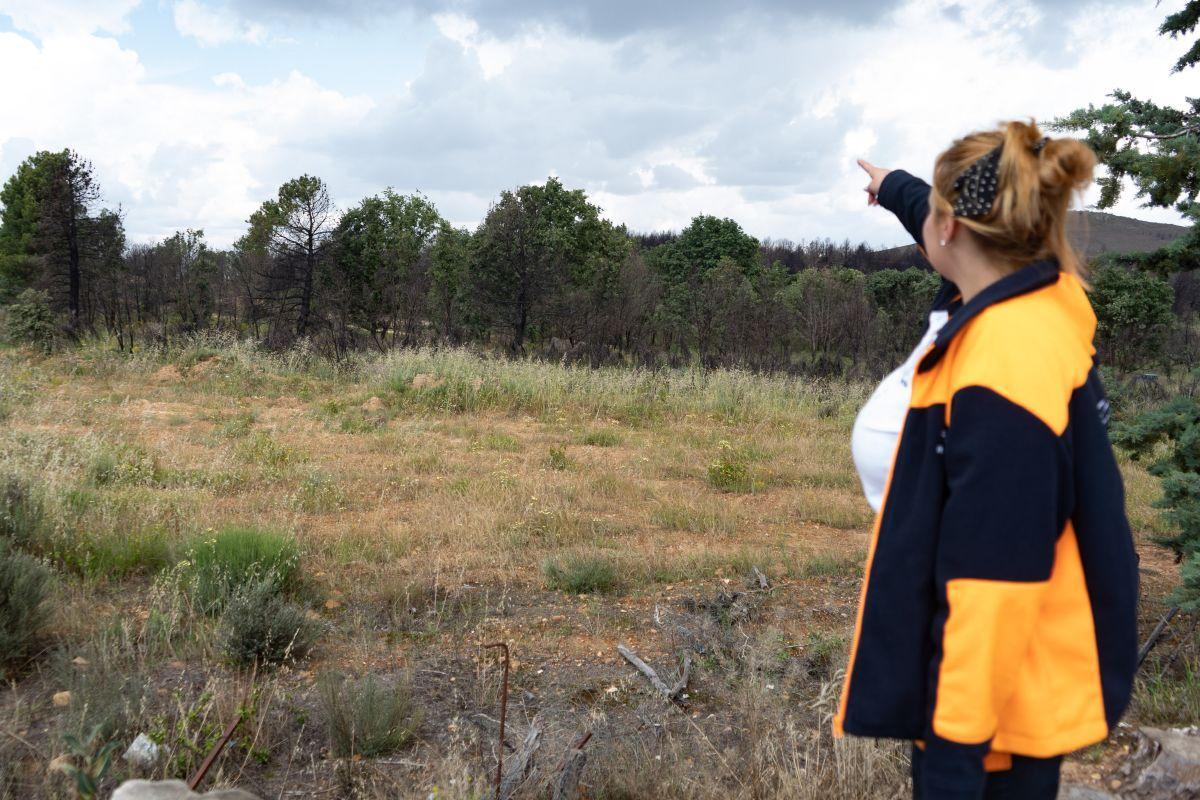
(997, 621)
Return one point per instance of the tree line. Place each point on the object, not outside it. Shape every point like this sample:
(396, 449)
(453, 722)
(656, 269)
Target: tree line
(543, 274)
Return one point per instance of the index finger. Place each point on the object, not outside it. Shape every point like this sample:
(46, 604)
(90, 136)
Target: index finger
(867, 166)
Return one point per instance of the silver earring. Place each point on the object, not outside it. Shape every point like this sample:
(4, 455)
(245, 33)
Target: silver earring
(942, 242)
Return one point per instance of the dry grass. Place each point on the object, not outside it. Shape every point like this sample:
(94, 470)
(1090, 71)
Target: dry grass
(431, 521)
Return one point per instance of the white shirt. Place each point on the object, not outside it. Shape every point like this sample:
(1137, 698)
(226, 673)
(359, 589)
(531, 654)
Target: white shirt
(877, 427)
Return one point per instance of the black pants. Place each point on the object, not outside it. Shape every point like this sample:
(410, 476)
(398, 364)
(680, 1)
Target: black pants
(1028, 779)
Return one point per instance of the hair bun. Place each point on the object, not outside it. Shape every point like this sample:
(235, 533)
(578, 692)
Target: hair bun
(1066, 166)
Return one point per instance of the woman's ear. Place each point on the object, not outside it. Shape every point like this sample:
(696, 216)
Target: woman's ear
(948, 227)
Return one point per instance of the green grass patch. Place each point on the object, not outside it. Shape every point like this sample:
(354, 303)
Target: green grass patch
(1168, 700)
(601, 438)
(495, 440)
(221, 565)
(581, 574)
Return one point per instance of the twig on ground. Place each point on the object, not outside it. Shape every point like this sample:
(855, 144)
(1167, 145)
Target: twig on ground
(763, 583)
(1155, 635)
(669, 692)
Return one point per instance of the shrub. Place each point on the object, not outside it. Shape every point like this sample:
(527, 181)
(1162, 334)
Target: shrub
(730, 472)
(260, 627)
(1133, 314)
(367, 717)
(24, 606)
(557, 459)
(20, 513)
(580, 574)
(237, 558)
(30, 320)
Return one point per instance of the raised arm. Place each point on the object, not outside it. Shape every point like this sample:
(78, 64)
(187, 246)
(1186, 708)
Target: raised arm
(903, 194)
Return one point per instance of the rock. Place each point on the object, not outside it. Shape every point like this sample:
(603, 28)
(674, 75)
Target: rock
(79, 661)
(143, 752)
(61, 699)
(1075, 791)
(1169, 762)
(373, 406)
(59, 763)
(173, 790)
(425, 380)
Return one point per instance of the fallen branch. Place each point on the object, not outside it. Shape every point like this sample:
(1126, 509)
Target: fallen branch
(1155, 635)
(668, 692)
(520, 770)
(763, 583)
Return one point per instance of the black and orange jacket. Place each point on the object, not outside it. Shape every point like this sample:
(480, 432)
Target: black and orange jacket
(998, 610)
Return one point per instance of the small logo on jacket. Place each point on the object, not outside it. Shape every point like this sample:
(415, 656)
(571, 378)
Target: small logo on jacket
(1105, 411)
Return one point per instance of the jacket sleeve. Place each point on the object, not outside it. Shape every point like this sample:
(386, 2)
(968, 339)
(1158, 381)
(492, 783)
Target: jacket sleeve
(907, 197)
(1008, 499)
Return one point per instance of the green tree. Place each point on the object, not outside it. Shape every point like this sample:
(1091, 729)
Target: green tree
(47, 231)
(381, 273)
(450, 282)
(1133, 314)
(703, 246)
(901, 298)
(831, 318)
(1155, 146)
(288, 237)
(536, 250)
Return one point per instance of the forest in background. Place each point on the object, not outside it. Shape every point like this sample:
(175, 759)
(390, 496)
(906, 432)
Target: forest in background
(543, 274)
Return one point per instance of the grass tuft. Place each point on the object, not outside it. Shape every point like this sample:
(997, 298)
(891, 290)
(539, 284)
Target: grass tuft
(367, 717)
(235, 558)
(580, 574)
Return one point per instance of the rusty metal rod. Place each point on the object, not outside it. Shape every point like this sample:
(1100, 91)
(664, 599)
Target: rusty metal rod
(503, 714)
(216, 751)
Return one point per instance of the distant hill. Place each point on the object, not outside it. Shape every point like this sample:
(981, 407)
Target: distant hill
(1094, 233)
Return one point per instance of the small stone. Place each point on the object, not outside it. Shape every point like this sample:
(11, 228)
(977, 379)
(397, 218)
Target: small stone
(61, 699)
(373, 406)
(333, 604)
(79, 661)
(143, 751)
(59, 763)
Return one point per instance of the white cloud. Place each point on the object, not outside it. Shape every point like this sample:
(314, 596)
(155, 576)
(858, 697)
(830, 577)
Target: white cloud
(493, 55)
(172, 156)
(759, 121)
(64, 17)
(215, 26)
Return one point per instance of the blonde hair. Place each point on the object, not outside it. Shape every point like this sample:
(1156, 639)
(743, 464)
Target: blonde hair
(1027, 222)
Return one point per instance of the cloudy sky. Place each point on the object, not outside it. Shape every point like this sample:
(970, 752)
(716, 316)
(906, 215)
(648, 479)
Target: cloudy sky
(194, 111)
